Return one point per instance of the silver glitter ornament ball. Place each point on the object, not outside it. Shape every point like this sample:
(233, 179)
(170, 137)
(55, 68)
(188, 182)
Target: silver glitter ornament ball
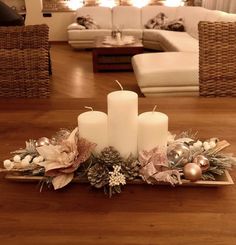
(42, 141)
(203, 162)
(178, 153)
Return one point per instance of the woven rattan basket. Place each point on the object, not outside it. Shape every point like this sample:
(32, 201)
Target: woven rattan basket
(24, 61)
(217, 58)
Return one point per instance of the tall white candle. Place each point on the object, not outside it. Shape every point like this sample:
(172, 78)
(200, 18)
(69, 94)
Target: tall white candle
(152, 131)
(93, 127)
(123, 121)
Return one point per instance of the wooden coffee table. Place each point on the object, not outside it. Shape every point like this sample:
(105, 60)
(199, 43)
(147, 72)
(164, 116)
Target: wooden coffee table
(114, 57)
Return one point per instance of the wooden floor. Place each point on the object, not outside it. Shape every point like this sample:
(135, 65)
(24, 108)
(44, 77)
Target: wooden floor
(72, 75)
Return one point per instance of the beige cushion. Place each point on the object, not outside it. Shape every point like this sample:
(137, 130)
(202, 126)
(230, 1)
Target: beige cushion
(87, 34)
(101, 15)
(170, 69)
(138, 33)
(213, 15)
(75, 26)
(171, 91)
(178, 41)
(227, 17)
(172, 41)
(126, 17)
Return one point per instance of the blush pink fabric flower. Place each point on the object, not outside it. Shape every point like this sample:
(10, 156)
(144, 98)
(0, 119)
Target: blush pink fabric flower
(61, 161)
(154, 167)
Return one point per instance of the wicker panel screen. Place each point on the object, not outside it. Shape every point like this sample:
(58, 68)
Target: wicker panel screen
(135, 2)
(217, 58)
(55, 5)
(64, 5)
(59, 5)
(24, 63)
(101, 2)
(91, 2)
(125, 2)
(156, 2)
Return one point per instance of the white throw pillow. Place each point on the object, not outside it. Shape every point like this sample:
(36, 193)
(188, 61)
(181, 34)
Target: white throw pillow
(75, 26)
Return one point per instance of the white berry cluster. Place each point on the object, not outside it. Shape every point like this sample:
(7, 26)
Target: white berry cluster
(18, 162)
(206, 145)
(116, 177)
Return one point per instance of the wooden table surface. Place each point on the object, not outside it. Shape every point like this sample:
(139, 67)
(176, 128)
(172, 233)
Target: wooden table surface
(142, 214)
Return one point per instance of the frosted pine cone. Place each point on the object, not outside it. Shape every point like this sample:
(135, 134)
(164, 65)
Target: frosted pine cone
(110, 156)
(130, 168)
(98, 175)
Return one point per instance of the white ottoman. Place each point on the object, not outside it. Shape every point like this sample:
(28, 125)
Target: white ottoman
(167, 73)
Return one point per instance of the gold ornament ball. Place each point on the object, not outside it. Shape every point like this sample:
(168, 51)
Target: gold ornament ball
(203, 162)
(42, 141)
(192, 172)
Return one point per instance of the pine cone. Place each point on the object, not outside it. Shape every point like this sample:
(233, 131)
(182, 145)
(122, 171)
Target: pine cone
(110, 157)
(98, 175)
(130, 168)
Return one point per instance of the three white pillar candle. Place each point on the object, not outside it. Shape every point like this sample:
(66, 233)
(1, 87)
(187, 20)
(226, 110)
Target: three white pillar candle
(122, 128)
(93, 127)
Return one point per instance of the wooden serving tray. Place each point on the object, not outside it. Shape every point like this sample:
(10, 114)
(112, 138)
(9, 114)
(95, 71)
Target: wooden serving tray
(223, 180)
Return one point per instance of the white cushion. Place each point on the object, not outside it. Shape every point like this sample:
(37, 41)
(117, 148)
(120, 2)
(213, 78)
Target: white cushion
(87, 34)
(75, 26)
(178, 41)
(227, 17)
(213, 15)
(151, 11)
(172, 41)
(126, 17)
(191, 17)
(171, 91)
(101, 15)
(138, 33)
(170, 69)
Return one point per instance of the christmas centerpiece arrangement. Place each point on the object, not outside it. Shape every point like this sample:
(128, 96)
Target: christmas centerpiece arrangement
(121, 147)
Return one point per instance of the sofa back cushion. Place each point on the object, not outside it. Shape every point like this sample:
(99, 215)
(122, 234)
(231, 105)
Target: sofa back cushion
(126, 17)
(192, 16)
(227, 17)
(213, 15)
(100, 15)
(149, 12)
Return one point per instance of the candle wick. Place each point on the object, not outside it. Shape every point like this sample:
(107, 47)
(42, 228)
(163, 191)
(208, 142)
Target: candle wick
(119, 84)
(154, 108)
(89, 107)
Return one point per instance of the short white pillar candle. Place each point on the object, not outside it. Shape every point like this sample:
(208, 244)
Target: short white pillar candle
(123, 121)
(152, 131)
(93, 127)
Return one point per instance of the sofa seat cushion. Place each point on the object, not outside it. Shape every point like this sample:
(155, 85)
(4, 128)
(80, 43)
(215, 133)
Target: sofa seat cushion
(87, 34)
(100, 15)
(171, 91)
(172, 69)
(138, 33)
(172, 41)
(227, 17)
(75, 26)
(126, 17)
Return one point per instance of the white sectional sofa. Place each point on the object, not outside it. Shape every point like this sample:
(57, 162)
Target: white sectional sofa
(151, 69)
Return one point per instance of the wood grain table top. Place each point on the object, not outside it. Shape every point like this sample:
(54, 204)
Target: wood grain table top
(141, 214)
